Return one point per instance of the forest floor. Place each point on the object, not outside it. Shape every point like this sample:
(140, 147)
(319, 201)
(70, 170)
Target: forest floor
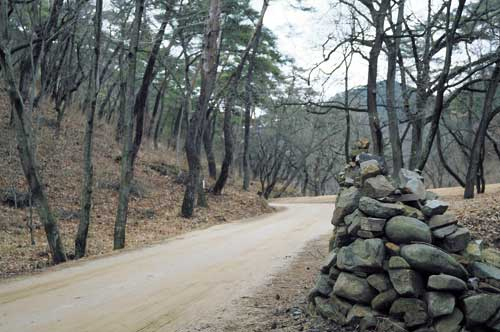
(280, 305)
(154, 204)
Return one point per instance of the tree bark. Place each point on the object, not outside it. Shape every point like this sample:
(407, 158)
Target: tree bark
(392, 113)
(25, 148)
(197, 123)
(378, 17)
(208, 143)
(441, 87)
(88, 168)
(479, 138)
(126, 173)
(233, 88)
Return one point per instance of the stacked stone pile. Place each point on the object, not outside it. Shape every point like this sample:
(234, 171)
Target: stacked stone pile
(399, 262)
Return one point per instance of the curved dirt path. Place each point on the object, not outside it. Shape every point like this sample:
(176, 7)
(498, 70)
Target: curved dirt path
(186, 284)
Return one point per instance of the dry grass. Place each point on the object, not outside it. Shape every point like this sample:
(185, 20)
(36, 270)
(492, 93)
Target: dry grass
(153, 215)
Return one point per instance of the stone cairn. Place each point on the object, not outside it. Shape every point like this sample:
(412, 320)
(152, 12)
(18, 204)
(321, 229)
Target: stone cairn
(398, 262)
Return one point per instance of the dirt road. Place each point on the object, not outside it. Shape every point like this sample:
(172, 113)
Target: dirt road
(186, 284)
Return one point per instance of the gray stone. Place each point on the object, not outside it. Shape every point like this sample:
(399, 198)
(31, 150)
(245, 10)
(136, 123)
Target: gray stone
(384, 300)
(485, 271)
(367, 234)
(480, 308)
(346, 203)
(439, 303)
(372, 224)
(413, 311)
(427, 258)
(406, 282)
(429, 195)
(369, 168)
(442, 220)
(379, 281)
(353, 288)
(434, 207)
(474, 249)
(355, 216)
(389, 325)
(362, 255)
(410, 211)
(334, 309)
(444, 282)
(368, 323)
(491, 256)
(354, 227)
(402, 229)
(329, 261)
(397, 262)
(323, 285)
(358, 312)
(334, 273)
(377, 187)
(376, 209)
(449, 323)
(494, 322)
(406, 175)
(456, 241)
(443, 232)
(416, 187)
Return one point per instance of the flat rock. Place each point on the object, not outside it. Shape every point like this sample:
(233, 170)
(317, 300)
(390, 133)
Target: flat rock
(406, 282)
(353, 288)
(443, 232)
(480, 308)
(427, 258)
(372, 224)
(333, 308)
(433, 207)
(377, 187)
(346, 203)
(444, 282)
(401, 229)
(362, 255)
(449, 323)
(456, 241)
(485, 271)
(439, 303)
(376, 209)
(413, 311)
(384, 300)
(474, 249)
(379, 281)
(442, 220)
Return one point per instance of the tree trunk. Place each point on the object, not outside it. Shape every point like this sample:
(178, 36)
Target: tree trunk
(375, 129)
(88, 168)
(441, 86)
(479, 138)
(208, 143)
(233, 86)
(249, 101)
(26, 153)
(126, 173)
(194, 136)
(392, 113)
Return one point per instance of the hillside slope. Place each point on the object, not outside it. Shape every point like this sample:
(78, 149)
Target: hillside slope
(154, 205)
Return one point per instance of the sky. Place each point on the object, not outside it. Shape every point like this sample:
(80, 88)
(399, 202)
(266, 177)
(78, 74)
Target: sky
(301, 33)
